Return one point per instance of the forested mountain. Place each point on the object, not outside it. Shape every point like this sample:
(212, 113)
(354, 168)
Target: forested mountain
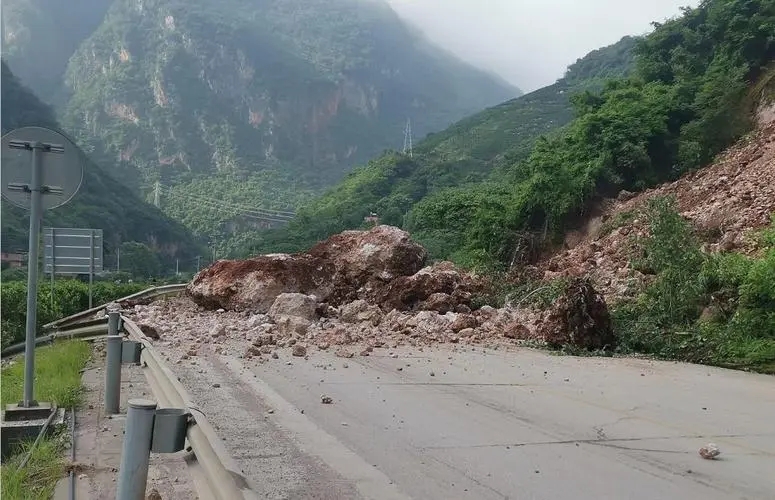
(101, 202)
(264, 102)
(302, 88)
(476, 149)
(490, 182)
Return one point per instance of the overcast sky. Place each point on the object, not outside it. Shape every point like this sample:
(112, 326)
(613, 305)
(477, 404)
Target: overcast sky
(531, 42)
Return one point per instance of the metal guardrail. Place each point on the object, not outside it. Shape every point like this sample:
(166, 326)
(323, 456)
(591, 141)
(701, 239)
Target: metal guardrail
(90, 330)
(215, 473)
(84, 325)
(148, 293)
(222, 477)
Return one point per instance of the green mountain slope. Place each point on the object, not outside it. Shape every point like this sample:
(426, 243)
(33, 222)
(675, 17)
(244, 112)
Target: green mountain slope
(685, 101)
(101, 203)
(470, 151)
(305, 89)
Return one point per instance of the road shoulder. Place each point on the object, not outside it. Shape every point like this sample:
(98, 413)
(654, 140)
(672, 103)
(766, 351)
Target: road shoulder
(99, 438)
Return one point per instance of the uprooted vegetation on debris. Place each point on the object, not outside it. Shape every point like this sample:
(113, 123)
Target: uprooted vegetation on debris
(579, 318)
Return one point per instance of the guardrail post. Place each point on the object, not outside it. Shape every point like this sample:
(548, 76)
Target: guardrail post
(113, 368)
(136, 450)
(113, 318)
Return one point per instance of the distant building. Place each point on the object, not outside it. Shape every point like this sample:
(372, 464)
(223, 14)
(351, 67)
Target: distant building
(13, 259)
(372, 218)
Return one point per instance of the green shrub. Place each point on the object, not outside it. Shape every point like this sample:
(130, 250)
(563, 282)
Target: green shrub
(716, 309)
(70, 297)
(672, 253)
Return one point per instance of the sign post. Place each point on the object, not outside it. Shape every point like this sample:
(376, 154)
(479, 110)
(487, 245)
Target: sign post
(73, 251)
(41, 169)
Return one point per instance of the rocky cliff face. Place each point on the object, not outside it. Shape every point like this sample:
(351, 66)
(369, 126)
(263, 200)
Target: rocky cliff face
(308, 88)
(101, 202)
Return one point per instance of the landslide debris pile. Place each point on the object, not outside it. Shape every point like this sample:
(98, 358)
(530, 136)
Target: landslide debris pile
(358, 287)
(725, 203)
(382, 266)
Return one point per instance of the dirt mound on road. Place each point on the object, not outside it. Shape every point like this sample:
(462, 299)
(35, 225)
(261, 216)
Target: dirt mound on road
(353, 328)
(382, 266)
(355, 287)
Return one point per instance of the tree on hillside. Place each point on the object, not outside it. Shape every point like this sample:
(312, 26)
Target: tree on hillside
(139, 260)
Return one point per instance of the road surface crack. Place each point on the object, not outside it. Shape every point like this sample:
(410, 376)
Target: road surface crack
(611, 443)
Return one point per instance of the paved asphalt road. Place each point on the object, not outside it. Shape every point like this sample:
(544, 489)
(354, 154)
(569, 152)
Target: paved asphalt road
(462, 424)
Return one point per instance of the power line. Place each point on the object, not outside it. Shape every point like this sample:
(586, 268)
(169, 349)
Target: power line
(261, 211)
(237, 211)
(258, 211)
(228, 208)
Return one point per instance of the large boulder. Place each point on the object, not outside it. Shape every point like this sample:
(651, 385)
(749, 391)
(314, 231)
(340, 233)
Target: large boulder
(333, 271)
(360, 311)
(254, 284)
(579, 318)
(288, 326)
(293, 304)
(439, 287)
(361, 258)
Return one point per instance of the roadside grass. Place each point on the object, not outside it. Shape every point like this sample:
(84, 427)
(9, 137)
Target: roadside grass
(38, 479)
(57, 375)
(57, 379)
